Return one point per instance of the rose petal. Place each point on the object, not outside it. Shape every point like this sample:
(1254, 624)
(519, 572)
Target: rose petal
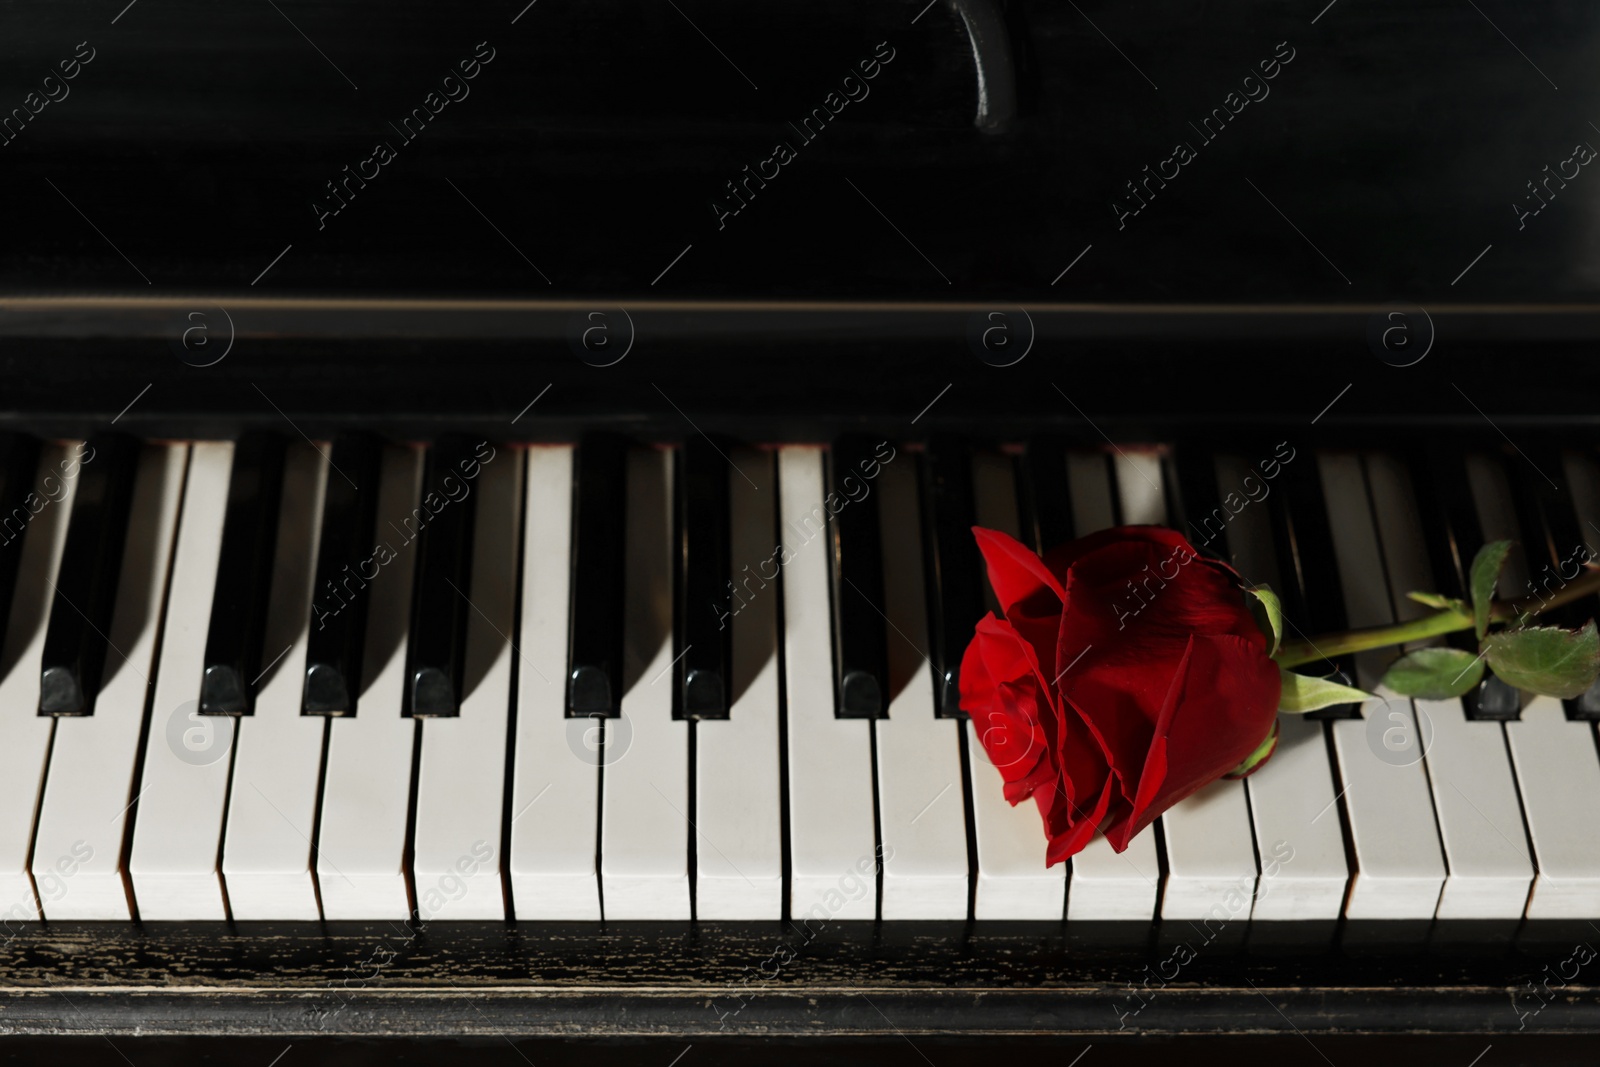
(1002, 692)
(1121, 647)
(1029, 595)
(1146, 592)
(1084, 759)
(1070, 839)
(1154, 773)
(1015, 572)
(1059, 559)
(1113, 686)
(1224, 702)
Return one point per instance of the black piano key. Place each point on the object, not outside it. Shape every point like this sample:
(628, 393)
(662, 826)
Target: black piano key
(86, 585)
(861, 678)
(339, 596)
(436, 650)
(1443, 492)
(244, 576)
(1046, 502)
(953, 563)
(1193, 499)
(1554, 547)
(599, 503)
(1552, 538)
(704, 581)
(19, 464)
(1312, 597)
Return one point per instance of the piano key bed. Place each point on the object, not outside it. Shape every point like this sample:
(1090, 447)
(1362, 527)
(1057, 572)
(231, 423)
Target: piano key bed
(537, 816)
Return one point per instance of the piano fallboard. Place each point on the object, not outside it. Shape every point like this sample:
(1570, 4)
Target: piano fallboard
(217, 364)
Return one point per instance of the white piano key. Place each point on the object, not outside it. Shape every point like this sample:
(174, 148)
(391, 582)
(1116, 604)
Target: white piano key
(555, 793)
(83, 816)
(1139, 488)
(1211, 852)
(461, 765)
(366, 791)
(644, 807)
(1399, 874)
(1110, 885)
(1474, 791)
(921, 812)
(1399, 863)
(1105, 884)
(1013, 882)
(1560, 780)
(739, 842)
(1089, 485)
(1558, 771)
(277, 762)
(1299, 842)
(24, 734)
(832, 843)
(178, 825)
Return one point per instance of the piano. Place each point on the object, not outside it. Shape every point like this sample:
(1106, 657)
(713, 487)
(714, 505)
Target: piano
(485, 506)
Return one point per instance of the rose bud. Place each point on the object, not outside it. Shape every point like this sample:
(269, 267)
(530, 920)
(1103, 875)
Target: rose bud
(1127, 673)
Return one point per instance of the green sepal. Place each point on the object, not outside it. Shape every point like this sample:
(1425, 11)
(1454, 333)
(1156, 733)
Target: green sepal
(1268, 612)
(1302, 693)
(1252, 763)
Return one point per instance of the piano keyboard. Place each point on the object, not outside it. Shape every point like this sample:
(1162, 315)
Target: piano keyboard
(274, 680)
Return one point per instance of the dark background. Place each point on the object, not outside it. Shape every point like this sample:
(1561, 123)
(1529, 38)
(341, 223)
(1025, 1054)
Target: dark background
(1395, 142)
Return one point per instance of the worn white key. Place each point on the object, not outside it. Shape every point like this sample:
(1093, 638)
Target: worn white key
(1399, 864)
(1299, 843)
(277, 763)
(24, 734)
(555, 792)
(739, 842)
(1560, 779)
(1474, 791)
(184, 787)
(461, 766)
(1558, 772)
(644, 821)
(1106, 884)
(366, 791)
(1211, 856)
(1013, 882)
(832, 847)
(921, 814)
(83, 816)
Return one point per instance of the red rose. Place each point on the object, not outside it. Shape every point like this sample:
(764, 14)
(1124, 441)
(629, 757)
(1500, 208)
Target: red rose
(1127, 673)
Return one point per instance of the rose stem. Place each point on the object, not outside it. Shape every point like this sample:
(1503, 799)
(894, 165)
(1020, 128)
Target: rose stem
(1326, 646)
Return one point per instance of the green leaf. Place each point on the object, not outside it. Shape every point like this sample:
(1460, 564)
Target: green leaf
(1252, 763)
(1485, 573)
(1302, 693)
(1440, 601)
(1546, 659)
(1434, 673)
(1266, 607)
